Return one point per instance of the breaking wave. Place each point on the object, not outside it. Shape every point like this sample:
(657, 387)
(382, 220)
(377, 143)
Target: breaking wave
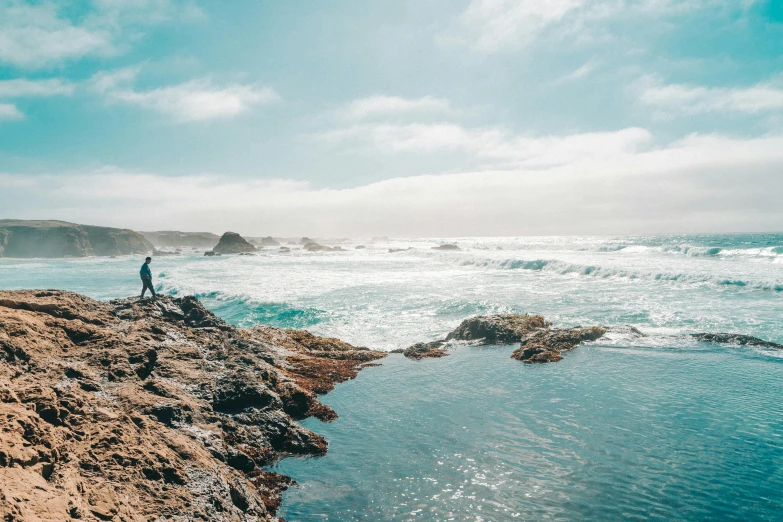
(245, 312)
(565, 268)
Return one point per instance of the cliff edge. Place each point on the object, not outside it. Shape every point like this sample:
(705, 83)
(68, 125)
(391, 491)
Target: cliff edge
(153, 410)
(23, 239)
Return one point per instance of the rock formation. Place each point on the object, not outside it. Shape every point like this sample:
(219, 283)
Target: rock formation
(153, 410)
(546, 345)
(61, 239)
(173, 238)
(233, 243)
(315, 247)
(498, 329)
(446, 247)
(269, 241)
(737, 339)
(425, 350)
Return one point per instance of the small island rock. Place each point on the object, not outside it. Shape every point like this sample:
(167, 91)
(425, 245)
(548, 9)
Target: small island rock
(233, 243)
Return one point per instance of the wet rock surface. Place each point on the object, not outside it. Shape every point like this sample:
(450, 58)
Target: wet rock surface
(155, 409)
(547, 345)
(233, 243)
(432, 349)
(737, 339)
(498, 329)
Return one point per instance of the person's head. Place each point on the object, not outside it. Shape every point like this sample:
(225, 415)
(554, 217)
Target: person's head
(148, 260)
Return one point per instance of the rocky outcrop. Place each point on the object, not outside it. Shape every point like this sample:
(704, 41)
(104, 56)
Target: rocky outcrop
(419, 351)
(547, 345)
(736, 339)
(24, 239)
(315, 247)
(448, 247)
(176, 239)
(150, 410)
(268, 241)
(233, 243)
(498, 329)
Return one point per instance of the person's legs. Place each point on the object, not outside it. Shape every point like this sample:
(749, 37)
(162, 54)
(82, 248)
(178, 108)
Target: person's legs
(147, 284)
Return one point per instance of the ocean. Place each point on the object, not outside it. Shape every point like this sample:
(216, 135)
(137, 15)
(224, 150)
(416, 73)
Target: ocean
(622, 429)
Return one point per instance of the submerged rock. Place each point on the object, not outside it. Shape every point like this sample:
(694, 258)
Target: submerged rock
(547, 345)
(498, 329)
(738, 339)
(284, 250)
(153, 409)
(425, 350)
(233, 243)
(359, 247)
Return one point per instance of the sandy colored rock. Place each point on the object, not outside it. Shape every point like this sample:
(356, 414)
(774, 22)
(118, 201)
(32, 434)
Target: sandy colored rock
(150, 410)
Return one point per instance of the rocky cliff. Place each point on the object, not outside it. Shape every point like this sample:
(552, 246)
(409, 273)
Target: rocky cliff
(153, 410)
(61, 239)
(173, 238)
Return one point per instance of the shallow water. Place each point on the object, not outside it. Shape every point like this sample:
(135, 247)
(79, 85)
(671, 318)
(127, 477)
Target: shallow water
(658, 427)
(609, 433)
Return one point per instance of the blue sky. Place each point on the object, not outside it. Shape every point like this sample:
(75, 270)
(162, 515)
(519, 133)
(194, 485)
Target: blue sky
(444, 118)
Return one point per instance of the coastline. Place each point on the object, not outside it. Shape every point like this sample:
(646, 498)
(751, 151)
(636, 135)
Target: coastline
(128, 409)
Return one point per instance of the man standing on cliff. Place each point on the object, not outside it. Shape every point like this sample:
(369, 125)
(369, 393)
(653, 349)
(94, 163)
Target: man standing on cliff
(146, 278)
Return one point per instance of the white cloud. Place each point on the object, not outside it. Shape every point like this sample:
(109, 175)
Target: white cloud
(580, 72)
(694, 99)
(700, 184)
(34, 36)
(22, 88)
(8, 111)
(195, 100)
(493, 145)
(386, 106)
(492, 26)
(39, 35)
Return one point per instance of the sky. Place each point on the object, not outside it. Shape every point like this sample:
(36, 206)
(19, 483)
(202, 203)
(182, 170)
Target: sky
(398, 118)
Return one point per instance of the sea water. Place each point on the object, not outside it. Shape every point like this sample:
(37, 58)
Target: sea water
(659, 427)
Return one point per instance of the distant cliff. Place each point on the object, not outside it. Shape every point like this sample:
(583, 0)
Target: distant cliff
(20, 238)
(173, 238)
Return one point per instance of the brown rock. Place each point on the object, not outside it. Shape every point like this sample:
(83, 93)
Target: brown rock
(498, 329)
(547, 345)
(133, 410)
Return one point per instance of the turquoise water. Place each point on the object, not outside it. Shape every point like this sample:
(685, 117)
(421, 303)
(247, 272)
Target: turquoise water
(610, 433)
(658, 427)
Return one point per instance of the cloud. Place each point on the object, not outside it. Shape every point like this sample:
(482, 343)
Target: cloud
(34, 35)
(493, 145)
(195, 100)
(20, 87)
(9, 111)
(679, 99)
(390, 106)
(38, 35)
(580, 72)
(704, 183)
(492, 26)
